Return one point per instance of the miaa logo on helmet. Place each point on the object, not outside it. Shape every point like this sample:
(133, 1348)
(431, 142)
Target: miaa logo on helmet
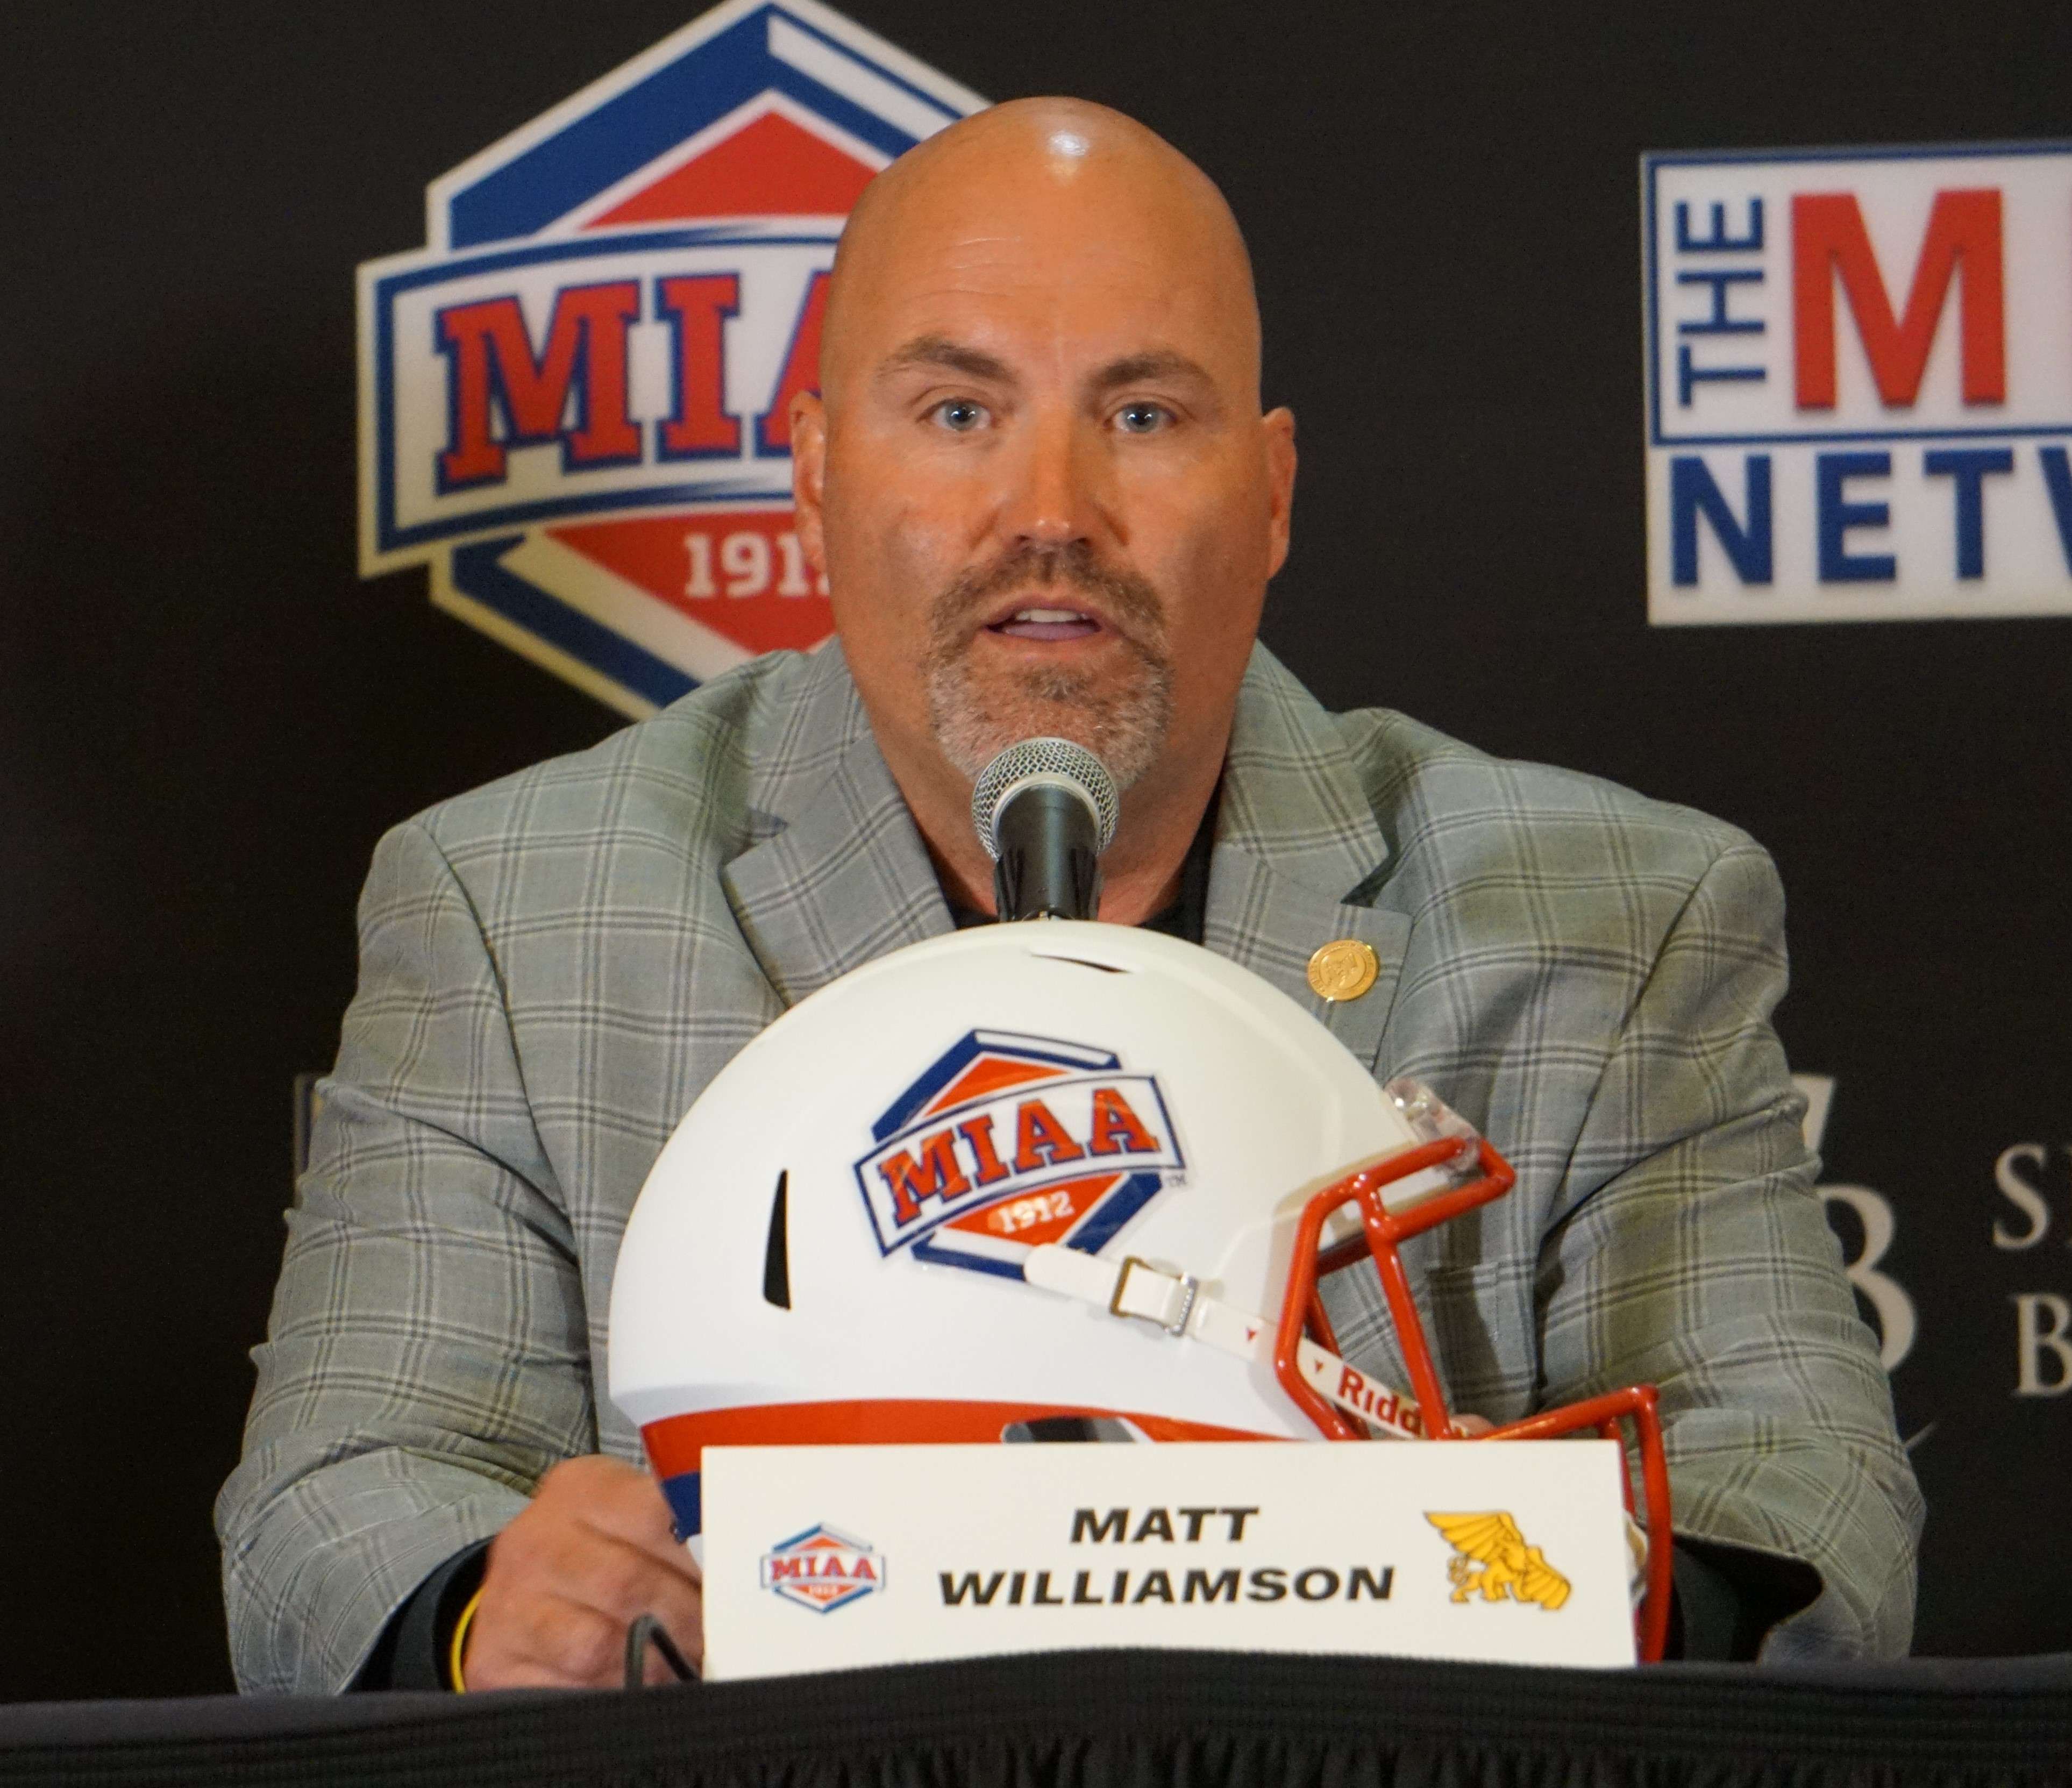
(574, 401)
(1008, 1140)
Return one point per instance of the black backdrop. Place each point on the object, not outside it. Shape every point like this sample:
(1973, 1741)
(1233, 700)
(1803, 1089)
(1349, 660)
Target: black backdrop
(206, 720)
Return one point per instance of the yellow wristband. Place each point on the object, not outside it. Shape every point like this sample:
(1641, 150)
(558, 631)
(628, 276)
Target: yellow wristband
(459, 1646)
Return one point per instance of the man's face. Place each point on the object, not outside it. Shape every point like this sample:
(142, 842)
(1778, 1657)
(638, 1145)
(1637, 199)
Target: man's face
(1044, 495)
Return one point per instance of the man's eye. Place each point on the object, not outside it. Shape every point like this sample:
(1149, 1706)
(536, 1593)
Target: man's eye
(960, 415)
(1142, 418)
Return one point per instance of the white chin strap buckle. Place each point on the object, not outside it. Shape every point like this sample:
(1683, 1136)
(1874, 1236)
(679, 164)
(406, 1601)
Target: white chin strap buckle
(1176, 1303)
(1158, 1306)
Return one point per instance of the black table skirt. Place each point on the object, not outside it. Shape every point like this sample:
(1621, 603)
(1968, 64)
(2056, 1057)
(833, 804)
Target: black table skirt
(1119, 1720)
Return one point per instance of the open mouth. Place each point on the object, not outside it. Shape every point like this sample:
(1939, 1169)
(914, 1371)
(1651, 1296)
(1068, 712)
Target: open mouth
(1035, 621)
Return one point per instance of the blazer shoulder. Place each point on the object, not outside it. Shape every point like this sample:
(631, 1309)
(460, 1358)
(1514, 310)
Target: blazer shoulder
(691, 772)
(1449, 809)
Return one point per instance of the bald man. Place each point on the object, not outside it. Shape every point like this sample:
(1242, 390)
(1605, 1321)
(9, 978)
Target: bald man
(1046, 500)
(1068, 407)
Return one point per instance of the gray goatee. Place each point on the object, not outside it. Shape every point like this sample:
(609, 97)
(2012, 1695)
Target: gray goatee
(1123, 721)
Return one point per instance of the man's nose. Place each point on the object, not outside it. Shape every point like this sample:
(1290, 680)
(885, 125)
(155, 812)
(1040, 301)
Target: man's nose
(1052, 497)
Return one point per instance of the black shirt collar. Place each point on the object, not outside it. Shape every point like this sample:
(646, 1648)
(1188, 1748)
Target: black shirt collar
(1184, 918)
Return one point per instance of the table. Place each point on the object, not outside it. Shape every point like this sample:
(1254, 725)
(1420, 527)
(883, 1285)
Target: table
(1119, 1720)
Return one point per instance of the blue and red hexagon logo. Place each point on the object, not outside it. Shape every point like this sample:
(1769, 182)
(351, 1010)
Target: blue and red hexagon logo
(823, 1569)
(573, 400)
(1007, 1141)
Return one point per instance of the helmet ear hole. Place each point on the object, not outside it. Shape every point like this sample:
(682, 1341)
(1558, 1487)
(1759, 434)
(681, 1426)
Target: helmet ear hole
(1069, 1428)
(777, 1251)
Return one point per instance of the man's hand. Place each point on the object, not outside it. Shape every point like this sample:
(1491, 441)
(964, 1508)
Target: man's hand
(568, 1576)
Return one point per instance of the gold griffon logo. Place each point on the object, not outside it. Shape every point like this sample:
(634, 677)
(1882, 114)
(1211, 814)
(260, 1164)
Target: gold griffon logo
(1490, 1555)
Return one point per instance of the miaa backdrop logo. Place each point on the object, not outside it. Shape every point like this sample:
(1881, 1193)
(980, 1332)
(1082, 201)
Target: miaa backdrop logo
(1859, 384)
(572, 401)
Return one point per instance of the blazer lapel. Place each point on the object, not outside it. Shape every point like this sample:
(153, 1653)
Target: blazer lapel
(1298, 853)
(845, 877)
(842, 876)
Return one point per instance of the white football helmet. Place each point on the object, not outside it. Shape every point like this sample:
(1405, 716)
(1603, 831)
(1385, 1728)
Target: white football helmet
(1048, 1180)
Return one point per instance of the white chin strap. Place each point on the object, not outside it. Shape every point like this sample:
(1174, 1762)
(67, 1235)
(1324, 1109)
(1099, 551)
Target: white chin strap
(1176, 1303)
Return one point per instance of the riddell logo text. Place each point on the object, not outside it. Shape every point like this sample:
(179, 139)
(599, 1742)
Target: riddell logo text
(1859, 384)
(1377, 1400)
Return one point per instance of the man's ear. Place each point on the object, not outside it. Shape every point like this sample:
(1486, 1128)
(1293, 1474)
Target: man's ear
(1278, 428)
(809, 466)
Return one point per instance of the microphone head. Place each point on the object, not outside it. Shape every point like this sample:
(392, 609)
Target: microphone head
(1058, 761)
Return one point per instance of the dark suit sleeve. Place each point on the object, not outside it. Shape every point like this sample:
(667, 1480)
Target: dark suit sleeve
(1692, 1253)
(411, 1653)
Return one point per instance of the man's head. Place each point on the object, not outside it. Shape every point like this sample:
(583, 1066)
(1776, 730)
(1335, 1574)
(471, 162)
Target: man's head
(1039, 478)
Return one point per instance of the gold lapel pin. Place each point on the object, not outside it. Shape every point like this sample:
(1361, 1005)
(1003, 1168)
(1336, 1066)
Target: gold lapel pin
(1343, 969)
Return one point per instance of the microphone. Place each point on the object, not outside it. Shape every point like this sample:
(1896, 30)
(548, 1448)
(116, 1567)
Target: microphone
(1045, 810)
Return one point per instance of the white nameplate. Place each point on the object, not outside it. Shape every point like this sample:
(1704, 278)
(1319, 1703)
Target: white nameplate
(826, 1558)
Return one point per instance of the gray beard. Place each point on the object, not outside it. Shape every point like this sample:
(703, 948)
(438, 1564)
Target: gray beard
(1125, 727)
(1122, 723)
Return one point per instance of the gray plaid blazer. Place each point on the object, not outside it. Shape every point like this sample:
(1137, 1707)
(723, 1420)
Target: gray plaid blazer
(553, 967)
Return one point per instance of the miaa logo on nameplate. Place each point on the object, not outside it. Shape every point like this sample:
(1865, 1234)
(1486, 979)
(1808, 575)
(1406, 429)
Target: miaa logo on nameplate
(573, 400)
(822, 1569)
